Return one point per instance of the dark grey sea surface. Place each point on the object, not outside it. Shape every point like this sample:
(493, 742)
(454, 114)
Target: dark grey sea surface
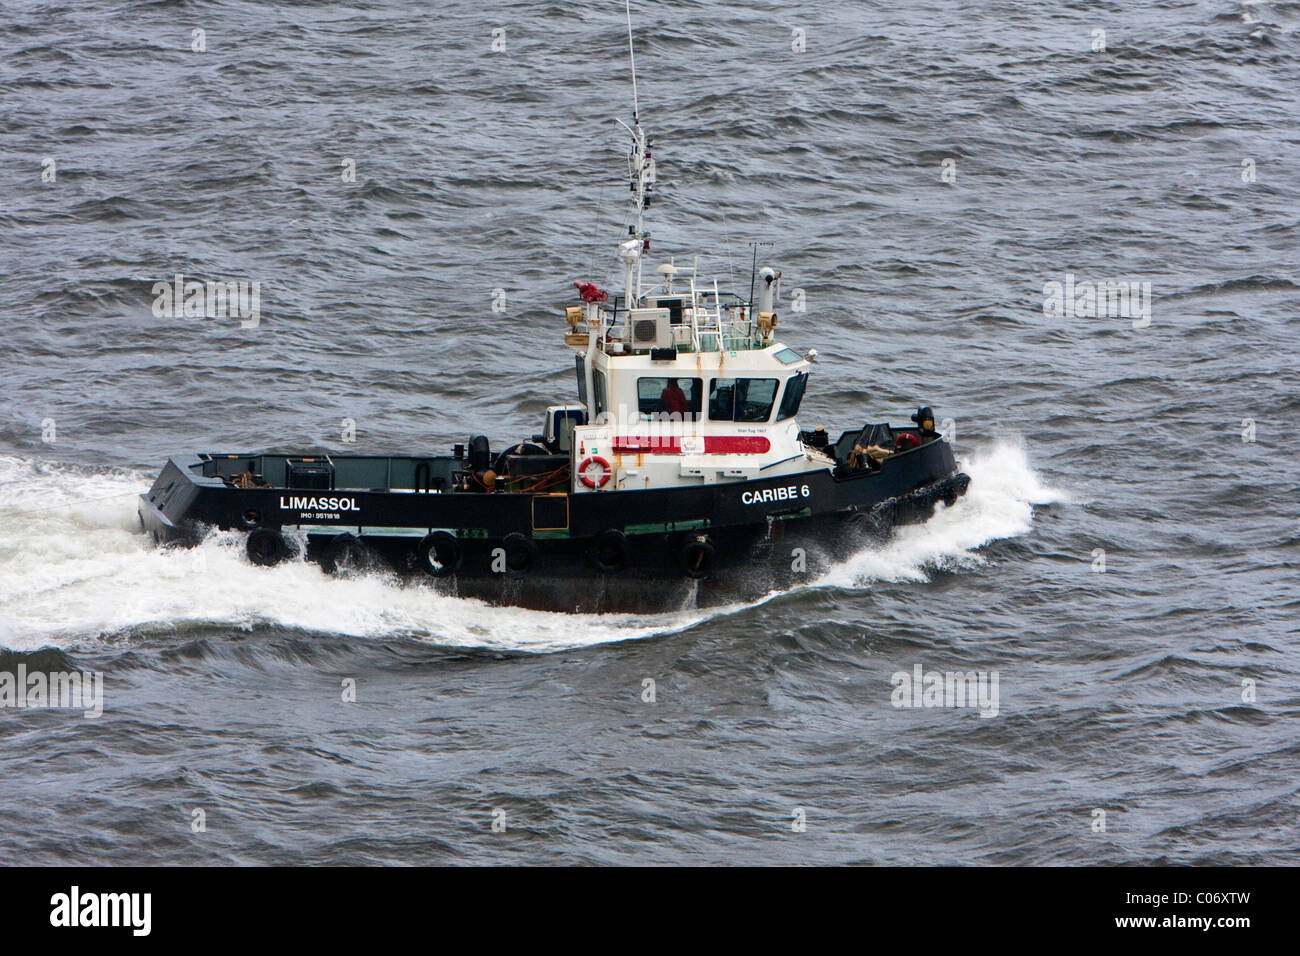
(1162, 690)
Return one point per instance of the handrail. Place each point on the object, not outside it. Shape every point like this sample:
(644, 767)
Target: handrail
(706, 327)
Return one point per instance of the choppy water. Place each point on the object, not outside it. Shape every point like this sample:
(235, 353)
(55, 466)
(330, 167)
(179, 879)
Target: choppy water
(478, 171)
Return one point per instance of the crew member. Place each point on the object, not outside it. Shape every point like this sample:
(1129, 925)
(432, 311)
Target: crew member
(924, 419)
(673, 399)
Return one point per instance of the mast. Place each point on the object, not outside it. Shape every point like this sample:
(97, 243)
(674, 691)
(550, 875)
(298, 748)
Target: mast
(627, 5)
(641, 169)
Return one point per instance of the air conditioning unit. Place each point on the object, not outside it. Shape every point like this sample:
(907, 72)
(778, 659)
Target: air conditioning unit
(650, 329)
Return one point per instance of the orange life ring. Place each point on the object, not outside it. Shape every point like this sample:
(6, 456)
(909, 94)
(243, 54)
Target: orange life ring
(589, 482)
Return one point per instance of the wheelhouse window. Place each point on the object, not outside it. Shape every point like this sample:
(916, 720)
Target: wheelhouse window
(794, 387)
(582, 379)
(670, 399)
(742, 399)
(598, 386)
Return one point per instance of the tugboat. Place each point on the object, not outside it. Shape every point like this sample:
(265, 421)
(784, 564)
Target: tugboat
(681, 460)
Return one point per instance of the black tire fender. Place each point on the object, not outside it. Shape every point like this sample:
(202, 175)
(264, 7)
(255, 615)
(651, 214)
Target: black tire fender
(871, 524)
(521, 552)
(340, 549)
(609, 551)
(266, 547)
(440, 554)
(696, 556)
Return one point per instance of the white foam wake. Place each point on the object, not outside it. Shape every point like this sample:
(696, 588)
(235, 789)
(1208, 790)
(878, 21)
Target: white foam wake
(74, 570)
(999, 504)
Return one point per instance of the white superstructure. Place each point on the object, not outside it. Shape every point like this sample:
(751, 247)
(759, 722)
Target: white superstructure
(682, 383)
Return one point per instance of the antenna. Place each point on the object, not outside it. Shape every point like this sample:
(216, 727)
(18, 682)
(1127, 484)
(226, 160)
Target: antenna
(726, 234)
(632, 55)
(641, 166)
(754, 274)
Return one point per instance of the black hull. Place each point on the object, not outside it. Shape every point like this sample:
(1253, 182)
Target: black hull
(716, 543)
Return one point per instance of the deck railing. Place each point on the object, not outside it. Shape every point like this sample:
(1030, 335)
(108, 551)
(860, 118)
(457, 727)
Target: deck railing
(709, 323)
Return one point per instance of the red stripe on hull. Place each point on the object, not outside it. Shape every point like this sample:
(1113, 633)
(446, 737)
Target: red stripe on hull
(672, 445)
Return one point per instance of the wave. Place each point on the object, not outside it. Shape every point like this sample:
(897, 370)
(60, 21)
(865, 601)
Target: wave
(75, 571)
(1004, 490)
